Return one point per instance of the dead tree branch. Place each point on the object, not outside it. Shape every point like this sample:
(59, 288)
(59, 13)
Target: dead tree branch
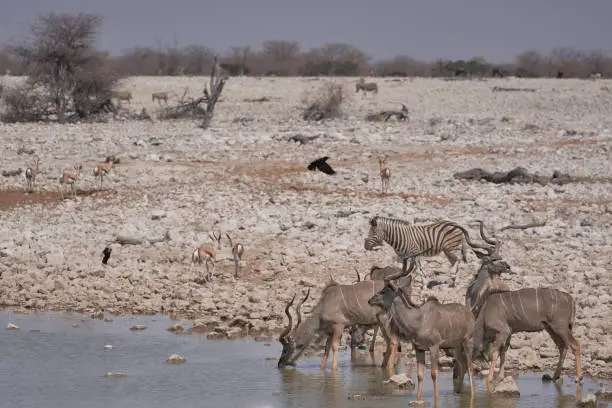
(525, 226)
(518, 175)
(385, 115)
(199, 108)
(125, 240)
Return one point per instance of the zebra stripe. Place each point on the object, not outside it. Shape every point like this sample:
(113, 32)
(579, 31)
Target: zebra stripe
(411, 240)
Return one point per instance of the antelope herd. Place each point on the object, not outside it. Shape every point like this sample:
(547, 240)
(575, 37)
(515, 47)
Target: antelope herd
(480, 328)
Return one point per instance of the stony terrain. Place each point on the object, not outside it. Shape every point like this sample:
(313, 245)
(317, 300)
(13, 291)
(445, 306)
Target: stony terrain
(242, 176)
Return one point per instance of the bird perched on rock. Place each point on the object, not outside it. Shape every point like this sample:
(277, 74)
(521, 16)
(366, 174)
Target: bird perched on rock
(106, 254)
(321, 165)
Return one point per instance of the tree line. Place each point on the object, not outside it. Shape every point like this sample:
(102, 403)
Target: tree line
(288, 58)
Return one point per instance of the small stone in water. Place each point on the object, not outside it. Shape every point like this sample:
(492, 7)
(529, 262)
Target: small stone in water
(138, 327)
(175, 328)
(12, 326)
(108, 347)
(110, 374)
(176, 359)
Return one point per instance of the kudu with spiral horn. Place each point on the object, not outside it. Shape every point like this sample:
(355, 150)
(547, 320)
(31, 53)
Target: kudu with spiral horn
(340, 306)
(501, 312)
(432, 327)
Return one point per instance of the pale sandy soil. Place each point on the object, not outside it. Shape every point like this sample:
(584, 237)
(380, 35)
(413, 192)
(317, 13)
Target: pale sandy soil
(244, 178)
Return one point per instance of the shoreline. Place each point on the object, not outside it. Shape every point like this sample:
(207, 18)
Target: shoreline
(247, 178)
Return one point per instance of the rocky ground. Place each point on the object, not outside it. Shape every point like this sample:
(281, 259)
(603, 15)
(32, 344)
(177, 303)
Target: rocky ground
(244, 177)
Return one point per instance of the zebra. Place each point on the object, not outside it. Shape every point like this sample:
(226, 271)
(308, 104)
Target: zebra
(412, 241)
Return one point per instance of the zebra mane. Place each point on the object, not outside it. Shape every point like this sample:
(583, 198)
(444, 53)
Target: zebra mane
(393, 220)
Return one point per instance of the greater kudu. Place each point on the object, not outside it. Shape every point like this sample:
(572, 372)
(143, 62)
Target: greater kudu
(501, 312)
(358, 331)
(340, 306)
(431, 326)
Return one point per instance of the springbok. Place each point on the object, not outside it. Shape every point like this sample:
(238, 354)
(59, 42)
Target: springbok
(237, 251)
(122, 96)
(385, 173)
(207, 253)
(30, 175)
(431, 327)
(340, 306)
(103, 169)
(501, 312)
(70, 178)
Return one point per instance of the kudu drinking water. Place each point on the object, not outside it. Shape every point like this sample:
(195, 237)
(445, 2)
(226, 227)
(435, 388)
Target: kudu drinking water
(340, 306)
(501, 312)
(431, 327)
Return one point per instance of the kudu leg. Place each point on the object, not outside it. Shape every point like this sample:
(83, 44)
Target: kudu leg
(373, 339)
(336, 337)
(502, 359)
(328, 344)
(454, 268)
(562, 347)
(575, 346)
(420, 357)
(434, 356)
(468, 353)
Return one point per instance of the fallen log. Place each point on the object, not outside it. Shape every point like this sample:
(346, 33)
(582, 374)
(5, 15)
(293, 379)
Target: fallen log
(385, 115)
(518, 175)
(525, 226)
(125, 240)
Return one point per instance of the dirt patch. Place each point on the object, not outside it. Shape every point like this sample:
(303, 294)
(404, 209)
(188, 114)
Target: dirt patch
(13, 198)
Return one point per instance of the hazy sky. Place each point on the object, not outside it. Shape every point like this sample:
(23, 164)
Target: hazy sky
(423, 29)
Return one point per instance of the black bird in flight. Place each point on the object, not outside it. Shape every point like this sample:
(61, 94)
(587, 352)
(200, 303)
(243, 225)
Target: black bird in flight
(106, 253)
(321, 165)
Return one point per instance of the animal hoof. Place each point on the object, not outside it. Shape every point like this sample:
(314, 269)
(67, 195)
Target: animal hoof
(579, 380)
(546, 378)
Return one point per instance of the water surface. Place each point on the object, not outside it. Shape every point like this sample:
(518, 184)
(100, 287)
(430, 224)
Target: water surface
(62, 364)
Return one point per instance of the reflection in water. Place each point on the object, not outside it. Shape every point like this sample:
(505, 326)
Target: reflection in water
(62, 366)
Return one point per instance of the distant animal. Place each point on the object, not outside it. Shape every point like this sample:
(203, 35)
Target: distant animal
(321, 165)
(497, 73)
(366, 87)
(208, 254)
(385, 173)
(103, 169)
(30, 175)
(106, 253)
(237, 252)
(122, 96)
(408, 240)
(70, 178)
(159, 96)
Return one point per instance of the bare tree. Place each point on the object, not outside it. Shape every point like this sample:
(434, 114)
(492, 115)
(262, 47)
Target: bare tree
(63, 65)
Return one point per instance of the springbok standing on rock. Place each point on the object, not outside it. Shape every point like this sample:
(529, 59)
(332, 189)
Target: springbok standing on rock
(30, 175)
(70, 178)
(500, 313)
(385, 173)
(340, 306)
(237, 251)
(208, 254)
(431, 327)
